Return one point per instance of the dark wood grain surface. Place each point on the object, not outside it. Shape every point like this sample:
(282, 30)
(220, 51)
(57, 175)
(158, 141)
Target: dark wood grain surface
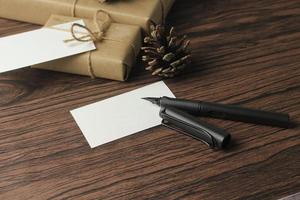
(246, 52)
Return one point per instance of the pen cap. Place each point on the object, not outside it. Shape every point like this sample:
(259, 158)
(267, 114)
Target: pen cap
(189, 125)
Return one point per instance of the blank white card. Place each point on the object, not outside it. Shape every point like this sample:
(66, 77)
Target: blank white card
(39, 46)
(121, 115)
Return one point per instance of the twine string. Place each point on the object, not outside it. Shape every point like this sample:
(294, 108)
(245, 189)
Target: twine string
(73, 8)
(95, 36)
(101, 25)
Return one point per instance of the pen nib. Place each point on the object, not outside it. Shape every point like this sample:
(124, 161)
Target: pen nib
(152, 100)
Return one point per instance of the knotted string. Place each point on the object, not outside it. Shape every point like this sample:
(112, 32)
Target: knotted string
(96, 36)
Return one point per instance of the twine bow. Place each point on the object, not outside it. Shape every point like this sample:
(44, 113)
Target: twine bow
(96, 36)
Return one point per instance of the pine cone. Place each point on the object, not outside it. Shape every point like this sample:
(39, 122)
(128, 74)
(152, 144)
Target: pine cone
(165, 53)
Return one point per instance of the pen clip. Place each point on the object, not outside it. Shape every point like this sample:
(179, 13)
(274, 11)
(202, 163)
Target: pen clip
(179, 121)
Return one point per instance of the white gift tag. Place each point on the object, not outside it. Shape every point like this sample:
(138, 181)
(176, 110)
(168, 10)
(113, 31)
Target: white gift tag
(120, 116)
(38, 46)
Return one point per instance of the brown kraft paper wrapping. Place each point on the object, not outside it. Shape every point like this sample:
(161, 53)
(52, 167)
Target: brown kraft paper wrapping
(136, 12)
(113, 59)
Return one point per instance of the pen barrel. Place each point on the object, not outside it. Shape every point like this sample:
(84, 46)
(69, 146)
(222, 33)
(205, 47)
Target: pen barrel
(230, 112)
(237, 113)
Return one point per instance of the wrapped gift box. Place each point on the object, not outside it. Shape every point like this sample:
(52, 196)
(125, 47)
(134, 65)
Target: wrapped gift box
(136, 12)
(113, 59)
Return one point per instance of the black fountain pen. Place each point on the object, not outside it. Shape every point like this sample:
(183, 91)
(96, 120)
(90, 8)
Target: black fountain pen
(222, 111)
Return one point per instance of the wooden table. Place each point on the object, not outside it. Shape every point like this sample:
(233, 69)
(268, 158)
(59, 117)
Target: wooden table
(246, 52)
